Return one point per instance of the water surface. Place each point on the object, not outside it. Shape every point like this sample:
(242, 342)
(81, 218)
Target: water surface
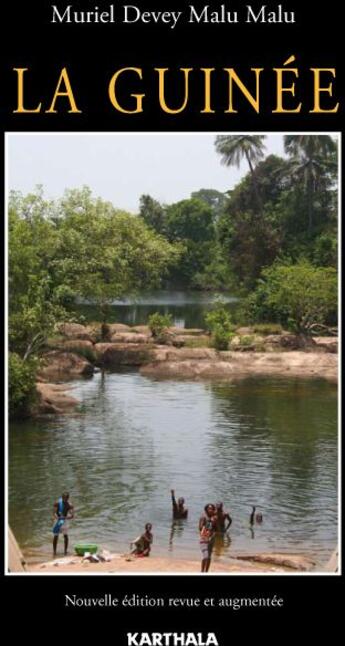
(265, 442)
(187, 308)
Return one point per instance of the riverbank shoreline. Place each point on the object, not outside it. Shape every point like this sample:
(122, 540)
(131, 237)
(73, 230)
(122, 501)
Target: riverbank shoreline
(195, 364)
(260, 563)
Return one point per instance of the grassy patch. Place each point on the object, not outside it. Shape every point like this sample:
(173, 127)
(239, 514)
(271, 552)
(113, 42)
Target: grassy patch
(267, 328)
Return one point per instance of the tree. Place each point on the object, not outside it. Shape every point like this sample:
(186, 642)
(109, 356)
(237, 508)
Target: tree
(215, 199)
(233, 148)
(153, 213)
(310, 155)
(298, 295)
(106, 254)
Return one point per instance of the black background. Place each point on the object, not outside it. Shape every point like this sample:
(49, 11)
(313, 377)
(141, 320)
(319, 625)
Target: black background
(92, 53)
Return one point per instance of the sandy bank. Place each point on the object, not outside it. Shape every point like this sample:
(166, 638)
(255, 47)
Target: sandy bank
(237, 365)
(256, 563)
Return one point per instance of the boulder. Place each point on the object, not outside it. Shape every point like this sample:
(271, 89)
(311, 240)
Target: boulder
(185, 331)
(130, 338)
(184, 354)
(117, 327)
(76, 331)
(181, 339)
(244, 331)
(326, 343)
(287, 341)
(64, 365)
(291, 561)
(123, 354)
(238, 365)
(142, 329)
(52, 399)
(73, 344)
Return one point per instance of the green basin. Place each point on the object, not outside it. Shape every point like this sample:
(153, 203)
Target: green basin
(81, 548)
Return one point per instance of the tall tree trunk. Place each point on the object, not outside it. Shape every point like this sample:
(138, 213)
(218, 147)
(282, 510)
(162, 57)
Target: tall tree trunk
(255, 184)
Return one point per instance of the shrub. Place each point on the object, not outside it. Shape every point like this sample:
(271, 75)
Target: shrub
(219, 323)
(22, 384)
(220, 338)
(158, 323)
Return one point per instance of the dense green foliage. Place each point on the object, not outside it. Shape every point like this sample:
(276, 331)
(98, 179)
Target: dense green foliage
(219, 323)
(22, 379)
(299, 296)
(158, 323)
(75, 248)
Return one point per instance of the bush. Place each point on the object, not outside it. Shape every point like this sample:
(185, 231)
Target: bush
(219, 323)
(158, 323)
(220, 338)
(22, 384)
(219, 317)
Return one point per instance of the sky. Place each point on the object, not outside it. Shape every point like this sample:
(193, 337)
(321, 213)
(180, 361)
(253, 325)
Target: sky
(121, 167)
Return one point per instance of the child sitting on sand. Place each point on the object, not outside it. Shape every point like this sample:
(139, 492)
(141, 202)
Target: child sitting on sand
(141, 546)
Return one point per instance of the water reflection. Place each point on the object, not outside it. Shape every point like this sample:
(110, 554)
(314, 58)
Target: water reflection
(265, 443)
(176, 531)
(187, 308)
(222, 543)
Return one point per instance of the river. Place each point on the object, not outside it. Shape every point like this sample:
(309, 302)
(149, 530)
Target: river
(187, 308)
(265, 442)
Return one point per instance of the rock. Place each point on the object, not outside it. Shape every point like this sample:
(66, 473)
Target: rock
(237, 365)
(182, 339)
(76, 331)
(185, 331)
(162, 353)
(53, 400)
(72, 344)
(123, 354)
(130, 338)
(291, 561)
(326, 343)
(142, 329)
(244, 331)
(64, 365)
(286, 341)
(117, 327)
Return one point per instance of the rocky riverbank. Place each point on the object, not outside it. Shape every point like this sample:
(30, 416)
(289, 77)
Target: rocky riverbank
(77, 351)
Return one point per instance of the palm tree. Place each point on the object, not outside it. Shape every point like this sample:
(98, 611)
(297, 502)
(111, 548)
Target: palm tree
(310, 154)
(233, 148)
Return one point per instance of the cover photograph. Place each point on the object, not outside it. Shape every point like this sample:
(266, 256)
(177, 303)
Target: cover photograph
(172, 256)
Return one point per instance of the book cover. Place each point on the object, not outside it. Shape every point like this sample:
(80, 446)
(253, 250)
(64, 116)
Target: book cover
(171, 217)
